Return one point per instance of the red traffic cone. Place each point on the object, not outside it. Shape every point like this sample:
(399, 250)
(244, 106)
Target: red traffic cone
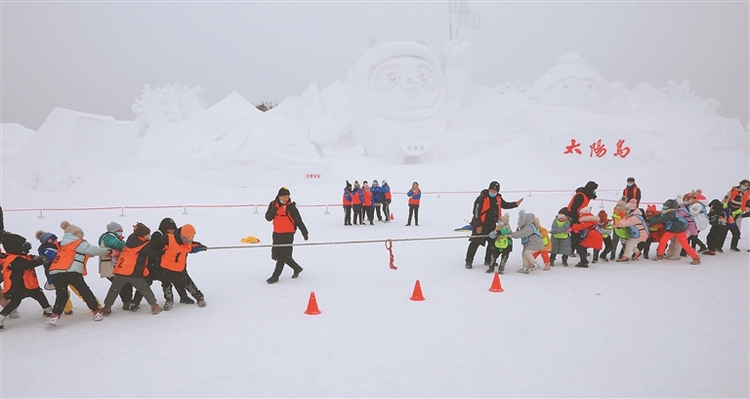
(392, 218)
(417, 295)
(312, 305)
(496, 287)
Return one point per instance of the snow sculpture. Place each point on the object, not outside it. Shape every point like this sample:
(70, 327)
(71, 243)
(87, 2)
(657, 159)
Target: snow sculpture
(400, 97)
(167, 104)
(571, 83)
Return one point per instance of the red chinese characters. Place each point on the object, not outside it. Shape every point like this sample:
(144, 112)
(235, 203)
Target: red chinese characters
(598, 149)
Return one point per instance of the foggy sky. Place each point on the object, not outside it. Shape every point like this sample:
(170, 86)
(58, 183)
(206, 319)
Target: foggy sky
(95, 57)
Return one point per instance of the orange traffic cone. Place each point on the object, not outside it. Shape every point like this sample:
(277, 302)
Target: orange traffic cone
(392, 218)
(417, 295)
(312, 305)
(496, 287)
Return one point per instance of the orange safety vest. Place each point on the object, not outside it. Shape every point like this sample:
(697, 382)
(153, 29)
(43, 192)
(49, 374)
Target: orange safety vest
(283, 222)
(345, 201)
(175, 255)
(486, 207)
(583, 205)
(388, 194)
(66, 256)
(29, 275)
(367, 198)
(355, 197)
(745, 196)
(125, 265)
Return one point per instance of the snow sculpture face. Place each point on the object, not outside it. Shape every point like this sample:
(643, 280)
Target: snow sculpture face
(398, 93)
(575, 87)
(405, 82)
(571, 83)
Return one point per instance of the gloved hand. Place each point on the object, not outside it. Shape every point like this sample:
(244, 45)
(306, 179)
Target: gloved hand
(305, 236)
(493, 235)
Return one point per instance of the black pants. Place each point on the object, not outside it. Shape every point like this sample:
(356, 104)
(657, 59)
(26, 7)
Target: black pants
(370, 212)
(607, 248)
(377, 210)
(575, 238)
(357, 213)
(387, 210)
(347, 215)
(169, 278)
(18, 295)
(126, 292)
(583, 254)
(716, 236)
(413, 210)
(474, 244)
(61, 282)
(732, 228)
(283, 255)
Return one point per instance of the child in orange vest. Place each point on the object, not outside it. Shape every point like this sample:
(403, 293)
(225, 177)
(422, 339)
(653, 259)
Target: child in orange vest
(130, 269)
(69, 267)
(19, 277)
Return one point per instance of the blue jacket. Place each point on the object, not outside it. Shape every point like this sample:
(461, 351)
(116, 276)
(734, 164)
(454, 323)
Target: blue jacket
(377, 194)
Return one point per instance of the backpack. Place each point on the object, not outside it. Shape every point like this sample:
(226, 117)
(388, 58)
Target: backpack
(633, 230)
(545, 236)
(701, 216)
(596, 227)
(678, 218)
(525, 240)
(683, 211)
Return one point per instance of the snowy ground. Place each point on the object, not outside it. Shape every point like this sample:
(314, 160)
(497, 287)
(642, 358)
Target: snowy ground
(644, 329)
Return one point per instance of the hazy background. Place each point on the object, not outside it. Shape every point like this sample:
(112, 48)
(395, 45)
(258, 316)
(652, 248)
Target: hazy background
(95, 57)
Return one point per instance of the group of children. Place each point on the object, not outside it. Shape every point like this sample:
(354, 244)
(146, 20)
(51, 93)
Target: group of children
(131, 264)
(676, 225)
(362, 203)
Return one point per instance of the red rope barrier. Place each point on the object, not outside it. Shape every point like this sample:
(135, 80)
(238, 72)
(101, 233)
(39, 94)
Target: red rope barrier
(389, 247)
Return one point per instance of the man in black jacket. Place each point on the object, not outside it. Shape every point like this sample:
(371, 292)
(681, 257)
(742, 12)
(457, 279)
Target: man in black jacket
(580, 200)
(486, 212)
(283, 212)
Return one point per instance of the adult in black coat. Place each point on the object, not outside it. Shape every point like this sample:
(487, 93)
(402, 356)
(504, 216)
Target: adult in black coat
(485, 214)
(283, 212)
(580, 200)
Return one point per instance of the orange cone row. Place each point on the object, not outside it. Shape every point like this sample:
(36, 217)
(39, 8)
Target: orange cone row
(312, 303)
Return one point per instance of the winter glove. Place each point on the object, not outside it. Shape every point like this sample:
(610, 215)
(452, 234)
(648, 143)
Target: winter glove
(305, 236)
(493, 235)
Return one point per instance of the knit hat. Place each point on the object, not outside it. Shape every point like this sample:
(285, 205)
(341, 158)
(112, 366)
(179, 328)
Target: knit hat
(141, 230)
(631, 179)
(71, 228)
(564, 211)
(591, 185)
(631, 205)
(385, 181)
(188, 231)
(651, 210)
(621, 204)
(670, 204)
(374, 182)
(494, 186)
(283, 191)
(113, 227)
(44, 236)
(348, 185)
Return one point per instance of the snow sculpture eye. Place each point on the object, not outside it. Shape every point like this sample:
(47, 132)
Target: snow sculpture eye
(387, 79)
(590, 86)
(565, 86)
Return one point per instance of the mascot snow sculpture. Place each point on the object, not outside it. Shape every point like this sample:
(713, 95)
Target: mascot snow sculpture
(399, 101)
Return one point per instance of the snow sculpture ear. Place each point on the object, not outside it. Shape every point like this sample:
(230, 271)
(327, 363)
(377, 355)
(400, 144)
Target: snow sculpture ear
(370, 42)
